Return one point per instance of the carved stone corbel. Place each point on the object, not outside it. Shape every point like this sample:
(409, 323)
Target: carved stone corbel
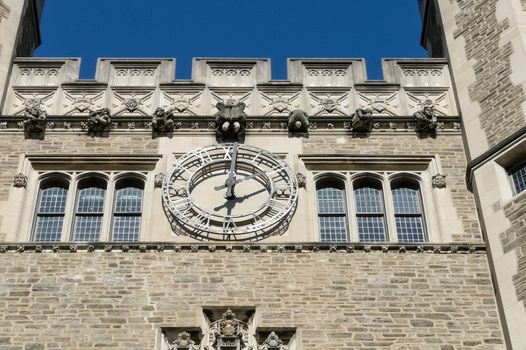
(20, 180)
(99, 121)
(426, 120)
(231, 120)
(362, 120)
(298, 121)
(162, 121)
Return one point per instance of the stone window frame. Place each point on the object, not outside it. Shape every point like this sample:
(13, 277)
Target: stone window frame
(503, 163)
(436, 202)
(74, 168)
(387, 181)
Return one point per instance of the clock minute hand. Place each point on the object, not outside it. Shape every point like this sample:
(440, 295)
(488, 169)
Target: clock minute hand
(230, 182)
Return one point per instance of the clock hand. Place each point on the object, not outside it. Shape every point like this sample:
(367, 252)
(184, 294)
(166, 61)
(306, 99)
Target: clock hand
(243, 179)
(230, 182)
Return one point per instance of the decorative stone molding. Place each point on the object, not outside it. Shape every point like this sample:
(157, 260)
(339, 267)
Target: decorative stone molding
(439, 181)
(20, 180)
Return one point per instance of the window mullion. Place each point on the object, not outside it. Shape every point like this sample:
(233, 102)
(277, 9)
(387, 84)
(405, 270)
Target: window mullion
(67, 227)
(105, 234)
(353, 225)
(389, 210)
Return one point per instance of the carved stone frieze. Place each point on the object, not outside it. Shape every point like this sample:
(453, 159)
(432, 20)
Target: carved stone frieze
(327, 76)
(417, 101)
(81, 102)
(279, 103)
(133, 76)
(329, 104)
(131, 103)
(38, 76)
(182, 103)
(381, 103)
(21, 101)
(419, 76)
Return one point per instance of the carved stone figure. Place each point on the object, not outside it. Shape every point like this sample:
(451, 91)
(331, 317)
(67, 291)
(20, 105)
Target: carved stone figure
(362, 120)
(20, 180)
(302, 180)
(229, 333)
(298, 121)
(426, 119)
(34, 118)
(183, 342)
(439, 181)
(231, 119)
(162, 120)
(99, 120)
(273, 343)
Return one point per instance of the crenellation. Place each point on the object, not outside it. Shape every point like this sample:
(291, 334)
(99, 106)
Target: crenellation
(335, 87)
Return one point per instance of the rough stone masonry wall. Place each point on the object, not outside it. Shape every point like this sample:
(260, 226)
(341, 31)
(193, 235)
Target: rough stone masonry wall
(514, 239)
(13, 145)
(499, 98)
(335, 300)
(448, 147)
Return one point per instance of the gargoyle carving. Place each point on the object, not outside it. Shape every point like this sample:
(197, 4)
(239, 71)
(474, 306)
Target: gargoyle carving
(231, 120)
(34, 118)
(298, 121)
(426, 119)
(162, 120)
(362, 120)
(99, 121)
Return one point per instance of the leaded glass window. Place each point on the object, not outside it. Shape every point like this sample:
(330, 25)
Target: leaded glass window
(127, 210)
(518, 176)
(50, 212)
(332, 212)
(408, 212)
(370, 217)
(89, 210)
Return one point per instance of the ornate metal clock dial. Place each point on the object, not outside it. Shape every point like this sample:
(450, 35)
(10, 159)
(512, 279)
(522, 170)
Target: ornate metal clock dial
(230, 191)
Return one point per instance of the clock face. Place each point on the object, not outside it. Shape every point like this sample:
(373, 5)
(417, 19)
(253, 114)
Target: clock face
(230, 192)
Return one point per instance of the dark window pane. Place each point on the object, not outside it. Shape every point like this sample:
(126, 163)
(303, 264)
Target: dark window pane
(333, 229)
(518, 175)
(48, 228)
(87, 228)
(371, 228)
(91, 200)
(406, 201)
(410, 229)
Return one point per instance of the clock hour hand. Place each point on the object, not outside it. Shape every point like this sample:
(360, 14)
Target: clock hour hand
(230, 182)
(243, 179)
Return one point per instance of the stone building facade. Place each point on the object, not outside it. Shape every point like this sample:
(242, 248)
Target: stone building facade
(486, 61)
(234, 211)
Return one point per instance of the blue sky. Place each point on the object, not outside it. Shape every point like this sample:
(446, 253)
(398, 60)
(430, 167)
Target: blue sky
(275, 29)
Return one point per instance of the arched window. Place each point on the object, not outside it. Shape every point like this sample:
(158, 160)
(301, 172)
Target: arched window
(50, 211)
(370, 213)
(408, 211)
(332, 212)
(89, 210)
(127, 210)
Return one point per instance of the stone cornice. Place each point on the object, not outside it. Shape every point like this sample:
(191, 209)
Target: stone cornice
(167, 247)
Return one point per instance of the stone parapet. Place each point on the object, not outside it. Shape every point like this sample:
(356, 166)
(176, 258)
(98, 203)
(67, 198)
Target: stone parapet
(321, 87)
